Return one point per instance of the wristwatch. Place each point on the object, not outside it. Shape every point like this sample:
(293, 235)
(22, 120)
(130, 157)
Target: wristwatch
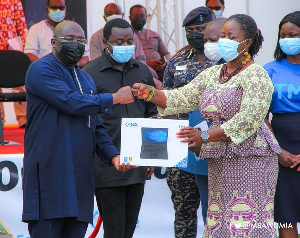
(204, 136)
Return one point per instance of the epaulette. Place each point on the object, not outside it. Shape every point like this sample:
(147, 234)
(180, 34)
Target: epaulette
(190, 53)
(181, 52)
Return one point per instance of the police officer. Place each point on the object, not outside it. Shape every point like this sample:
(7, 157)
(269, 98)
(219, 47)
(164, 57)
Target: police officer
(183, 68)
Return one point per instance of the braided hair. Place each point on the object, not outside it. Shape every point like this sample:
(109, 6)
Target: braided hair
(294, 18)
(249, 26)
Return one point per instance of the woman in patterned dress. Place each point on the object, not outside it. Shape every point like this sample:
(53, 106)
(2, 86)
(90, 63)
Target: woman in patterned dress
(285, 107)
(242, 151)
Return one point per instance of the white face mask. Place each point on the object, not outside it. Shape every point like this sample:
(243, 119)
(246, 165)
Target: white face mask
(211, 51)
(113, 17)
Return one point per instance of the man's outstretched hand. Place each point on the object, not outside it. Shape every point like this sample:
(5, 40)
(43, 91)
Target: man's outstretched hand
(121, 167)
(123, 96)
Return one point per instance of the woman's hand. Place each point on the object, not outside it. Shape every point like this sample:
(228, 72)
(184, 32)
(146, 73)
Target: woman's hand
(140, 90)
(296, 162)
(190, 134)
(286, 159)
(195, 147)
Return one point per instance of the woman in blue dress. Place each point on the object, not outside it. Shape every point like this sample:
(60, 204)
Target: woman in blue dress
(285, 108)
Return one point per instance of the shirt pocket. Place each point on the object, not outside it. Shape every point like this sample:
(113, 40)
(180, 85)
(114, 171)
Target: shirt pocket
(154, 43)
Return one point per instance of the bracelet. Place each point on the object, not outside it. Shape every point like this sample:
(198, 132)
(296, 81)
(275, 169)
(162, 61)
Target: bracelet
(151, 95)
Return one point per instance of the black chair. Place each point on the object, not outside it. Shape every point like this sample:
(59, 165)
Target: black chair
(13, 68)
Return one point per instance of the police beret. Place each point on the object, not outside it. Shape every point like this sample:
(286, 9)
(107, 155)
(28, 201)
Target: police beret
(198, 16)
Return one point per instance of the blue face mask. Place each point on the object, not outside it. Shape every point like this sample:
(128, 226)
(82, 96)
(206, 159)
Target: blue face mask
(228, 49)
(122, 53)
(218, 14)
(290, 46)
(57, 16)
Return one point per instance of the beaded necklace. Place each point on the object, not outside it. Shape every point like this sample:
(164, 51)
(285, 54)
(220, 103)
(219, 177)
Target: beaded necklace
(225, 76)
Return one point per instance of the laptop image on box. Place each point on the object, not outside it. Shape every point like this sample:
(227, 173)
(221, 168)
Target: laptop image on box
(154, 143)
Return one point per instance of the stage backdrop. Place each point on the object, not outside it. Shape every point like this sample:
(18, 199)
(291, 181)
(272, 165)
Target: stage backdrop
(35, 11)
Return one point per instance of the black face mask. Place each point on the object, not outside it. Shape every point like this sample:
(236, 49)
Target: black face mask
(138, 23)
(195, 40)
(71, 52)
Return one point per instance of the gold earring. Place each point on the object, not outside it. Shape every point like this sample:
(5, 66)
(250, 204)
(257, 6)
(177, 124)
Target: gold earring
(248, 57)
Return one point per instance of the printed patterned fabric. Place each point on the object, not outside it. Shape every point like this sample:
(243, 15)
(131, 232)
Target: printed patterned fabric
(239, 105)
(12, 22)
(242, 173)
(241, 197)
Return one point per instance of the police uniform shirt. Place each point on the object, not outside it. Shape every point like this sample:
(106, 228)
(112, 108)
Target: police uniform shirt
(183, 68)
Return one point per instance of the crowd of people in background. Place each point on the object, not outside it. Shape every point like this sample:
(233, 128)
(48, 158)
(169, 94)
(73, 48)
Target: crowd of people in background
(243, 160)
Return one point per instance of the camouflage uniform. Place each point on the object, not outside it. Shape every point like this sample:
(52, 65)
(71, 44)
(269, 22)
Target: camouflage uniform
(183, 68)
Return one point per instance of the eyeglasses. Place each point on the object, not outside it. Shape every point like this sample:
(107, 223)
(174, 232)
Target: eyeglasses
(62, 8)
(215, 8)
(80, 40)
